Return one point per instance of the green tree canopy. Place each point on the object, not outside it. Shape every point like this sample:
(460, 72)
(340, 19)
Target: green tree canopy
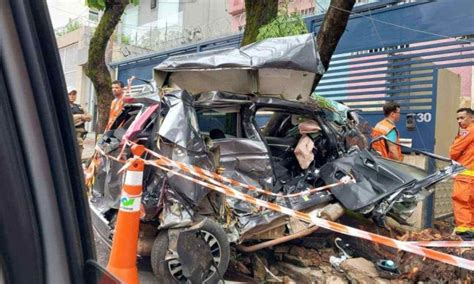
(285, 24)
(100, 4)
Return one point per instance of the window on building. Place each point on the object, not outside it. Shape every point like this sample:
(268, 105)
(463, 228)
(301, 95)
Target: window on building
(69, 62)
(152, 4)
(93, 16)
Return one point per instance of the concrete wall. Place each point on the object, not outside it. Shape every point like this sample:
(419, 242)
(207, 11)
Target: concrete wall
(69, 60)
(207, 17)
(69, 38)
(75, 64)
(146, 14)
(236, 8)
(449, 91)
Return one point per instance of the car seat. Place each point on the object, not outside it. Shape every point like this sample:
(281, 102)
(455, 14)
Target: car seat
(216, 134)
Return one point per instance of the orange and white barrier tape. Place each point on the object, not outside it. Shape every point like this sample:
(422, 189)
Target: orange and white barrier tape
(117, 159)
(443, 244)
(414, 247)
(333, 226)
(208, 175)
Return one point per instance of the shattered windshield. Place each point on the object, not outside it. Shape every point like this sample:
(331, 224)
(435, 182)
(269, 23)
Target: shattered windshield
(333, 111)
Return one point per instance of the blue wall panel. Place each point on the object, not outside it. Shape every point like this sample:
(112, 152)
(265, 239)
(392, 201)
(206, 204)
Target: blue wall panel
(443, 17)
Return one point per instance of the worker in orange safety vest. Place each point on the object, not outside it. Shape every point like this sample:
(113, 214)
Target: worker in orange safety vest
(462, 151)
(117, 104)
(387, 128)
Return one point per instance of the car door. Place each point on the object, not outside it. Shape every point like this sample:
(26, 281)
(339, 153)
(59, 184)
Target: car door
(244, 156)
(45, 230)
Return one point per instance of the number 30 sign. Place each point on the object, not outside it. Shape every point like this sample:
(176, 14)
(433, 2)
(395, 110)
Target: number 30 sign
(423, 117)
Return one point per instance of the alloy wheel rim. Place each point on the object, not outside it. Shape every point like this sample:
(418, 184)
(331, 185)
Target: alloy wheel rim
(175, 267)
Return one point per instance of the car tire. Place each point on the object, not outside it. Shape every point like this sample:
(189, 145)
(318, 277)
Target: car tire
(212, 232)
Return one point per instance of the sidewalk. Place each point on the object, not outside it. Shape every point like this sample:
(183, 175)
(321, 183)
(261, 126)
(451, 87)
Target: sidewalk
(89, 145)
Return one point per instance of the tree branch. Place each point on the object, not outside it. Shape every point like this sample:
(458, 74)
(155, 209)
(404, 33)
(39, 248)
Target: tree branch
(96, 68)
(257, 13)
(331, 30)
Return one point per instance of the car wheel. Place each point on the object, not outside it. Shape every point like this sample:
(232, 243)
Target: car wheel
(171, 271)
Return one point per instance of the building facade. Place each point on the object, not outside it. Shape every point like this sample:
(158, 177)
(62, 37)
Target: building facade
(158, 25)
(236, 8)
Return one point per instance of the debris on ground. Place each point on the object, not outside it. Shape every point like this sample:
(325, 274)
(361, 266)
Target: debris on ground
(360, 270)
(363, 262)
(417, 268)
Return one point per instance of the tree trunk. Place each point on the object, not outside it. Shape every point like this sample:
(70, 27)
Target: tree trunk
(258, 13)
(331, 30)
(96, 68)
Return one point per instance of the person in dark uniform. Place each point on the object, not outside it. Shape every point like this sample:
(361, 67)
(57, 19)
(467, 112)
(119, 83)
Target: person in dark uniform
(80, 118)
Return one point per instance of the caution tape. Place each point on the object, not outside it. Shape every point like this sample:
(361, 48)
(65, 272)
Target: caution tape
(102, 152)
(208, 175)
(333, 226)
(443, 244)
(414, 247)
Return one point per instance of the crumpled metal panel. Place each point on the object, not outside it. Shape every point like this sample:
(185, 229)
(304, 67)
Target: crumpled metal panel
(180, 124)
(267, 68)
(188, 189)
(174, 215)
(251, 221)
(248, 157)
(215, 97)
(241, 207)
(293, 52)
(236, 146)
(353, 196)
(154, 186)
(107, 187)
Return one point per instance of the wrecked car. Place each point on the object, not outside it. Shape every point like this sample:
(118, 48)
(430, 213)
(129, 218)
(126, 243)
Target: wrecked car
(246, 114)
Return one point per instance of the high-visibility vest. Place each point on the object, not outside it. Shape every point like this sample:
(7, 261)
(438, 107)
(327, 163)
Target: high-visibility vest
(115, 109)
(462, 150)
(383, 128)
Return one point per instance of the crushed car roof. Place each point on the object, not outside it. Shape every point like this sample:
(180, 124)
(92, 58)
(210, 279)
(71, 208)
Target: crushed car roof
(269, 67)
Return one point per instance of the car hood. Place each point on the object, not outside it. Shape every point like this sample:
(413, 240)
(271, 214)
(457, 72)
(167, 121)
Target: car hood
(269, 67)
(377, 178)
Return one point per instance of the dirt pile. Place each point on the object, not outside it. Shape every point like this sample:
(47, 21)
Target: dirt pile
(311, 260)
(417, 268)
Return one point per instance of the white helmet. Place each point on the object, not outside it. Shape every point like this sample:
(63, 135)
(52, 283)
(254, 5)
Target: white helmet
(71, 89)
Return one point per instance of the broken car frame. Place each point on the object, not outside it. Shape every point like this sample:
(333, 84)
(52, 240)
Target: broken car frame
(239, 112)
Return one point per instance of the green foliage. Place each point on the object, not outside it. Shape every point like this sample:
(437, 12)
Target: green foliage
(70, 27)
(333, 110)
(125, 39)
(96, 4)
(285, 24)
(100, 4)
(321, 102)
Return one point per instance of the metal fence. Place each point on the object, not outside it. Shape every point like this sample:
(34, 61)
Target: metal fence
(442, 200)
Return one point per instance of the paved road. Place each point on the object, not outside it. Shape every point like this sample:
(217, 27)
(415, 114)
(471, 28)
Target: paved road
(145, 274)
(89, 145)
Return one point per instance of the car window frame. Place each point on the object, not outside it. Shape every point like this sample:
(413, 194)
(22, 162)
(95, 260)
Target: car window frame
(36, 91)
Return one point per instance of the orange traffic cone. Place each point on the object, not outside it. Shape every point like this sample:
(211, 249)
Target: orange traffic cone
(123, 257)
